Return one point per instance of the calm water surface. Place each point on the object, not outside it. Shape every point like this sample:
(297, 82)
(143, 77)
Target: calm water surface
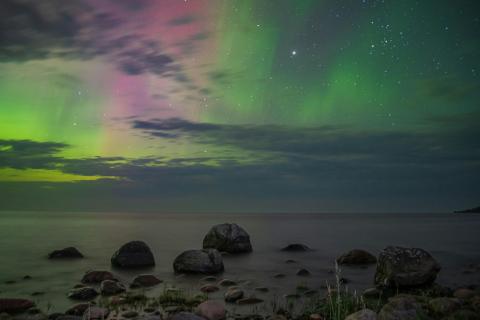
(27, 237)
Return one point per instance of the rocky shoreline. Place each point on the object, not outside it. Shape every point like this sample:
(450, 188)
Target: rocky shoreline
(404, 287)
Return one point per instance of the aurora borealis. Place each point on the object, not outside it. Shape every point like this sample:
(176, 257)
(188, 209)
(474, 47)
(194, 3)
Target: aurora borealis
(239, 106)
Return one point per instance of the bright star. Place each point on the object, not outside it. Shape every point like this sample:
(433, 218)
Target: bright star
(294, 52)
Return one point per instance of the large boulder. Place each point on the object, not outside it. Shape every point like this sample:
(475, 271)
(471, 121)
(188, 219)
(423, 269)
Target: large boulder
(97, 276)
(134, 254)
(211, 310)
(66, 253)
(228, 237)
(233, 295)
(400, 267)
(12, 305)
(356, 257)
(207, 261)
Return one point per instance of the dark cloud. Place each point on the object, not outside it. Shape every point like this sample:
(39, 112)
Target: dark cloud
(32, 30)
(24, 154)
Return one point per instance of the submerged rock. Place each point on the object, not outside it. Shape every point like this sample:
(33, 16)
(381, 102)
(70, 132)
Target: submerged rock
(356, 257)
(145, 280)
(228, 237)
(78, 309)
(303, 273)
(464, 293)
(111, 287)
(134, 254)
(85, 293)
(66, 253)
(364, 314)
(399, 267)
(227, 283)
(13, 305)
(296, 247)
(211, 310)
(207, 261)
(97, 276)
(209, 288)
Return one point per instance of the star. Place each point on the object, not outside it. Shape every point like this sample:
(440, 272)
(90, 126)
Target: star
(294, 52)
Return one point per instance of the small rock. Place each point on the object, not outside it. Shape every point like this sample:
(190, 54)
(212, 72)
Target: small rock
(464, 314)
(97, 276)
(66, 253)
(261, 289)
(444, 306)
(185, 316)
(208, 288)
(364, 314)
(209, 279)
(372, 293)
(279, 276)
(303, 272)
(290, 261)
(13, 305)
(145, 280)
(134, 254)
(401, 308)
(250, 300)
(227, 283)
(10, 282)
(464, 293)
(211, 310)
(27, 277)
(78, 309)
(232, 295)
(357, 257)
(296, 247)
(37, 293)
(228, 237)
(95, 313)
(85, 293)
(292, 296)
(316, 316)
(111, 287)
(130, 314)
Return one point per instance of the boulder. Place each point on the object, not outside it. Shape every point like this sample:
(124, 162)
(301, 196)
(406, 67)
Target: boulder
(95, 313)
(207, 261)
(356, 257)
(399, 267)
(111, 287)
(402, 307)
(85, 293)
(232, 295)
(443, 306)
(185, 316)
(97, 276)
(364, 314)
(296, 247)
(13, 305)
(145, 280)
(134, 254)
(228, 237)
(211, 310)
(66, 253)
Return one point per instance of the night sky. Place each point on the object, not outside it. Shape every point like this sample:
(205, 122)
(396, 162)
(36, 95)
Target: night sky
(239, 106)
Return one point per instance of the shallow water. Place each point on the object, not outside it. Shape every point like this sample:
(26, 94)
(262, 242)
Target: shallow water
(27, 237)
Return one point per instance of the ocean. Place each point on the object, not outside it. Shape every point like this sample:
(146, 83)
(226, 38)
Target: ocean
(26, 238)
